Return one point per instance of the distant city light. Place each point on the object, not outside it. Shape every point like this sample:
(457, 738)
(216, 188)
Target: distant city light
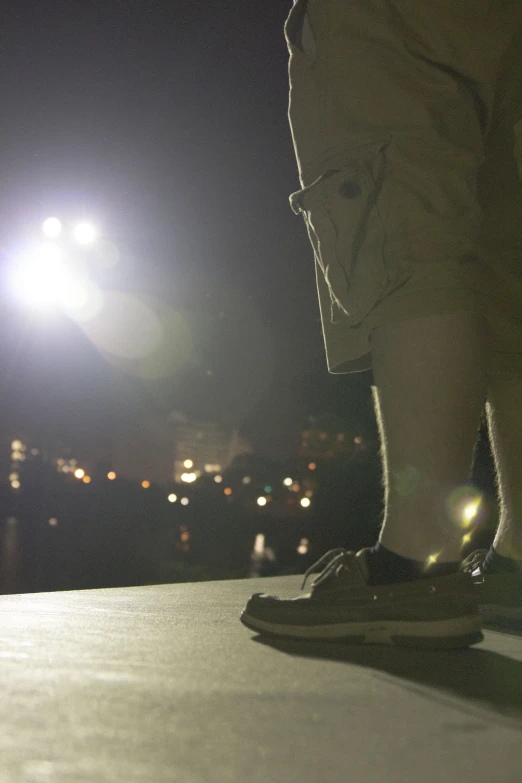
(53, 521)
(288, 482)
(188, 477)
(14, 476)
(268, 489)
(227, 491)
(312, 466)
(184, 501)
(261, 501)
(185, 536)
(16, 445)
(111, 476)
(296, 486)
(212, 468)
(309, 493)
(18, 455)
(246, 479)
(188, 463)
(172, 498)
(51, 227)
(15, 484)
(218, 479)
(305, 502)
(86, 479)
(85, 233)
(303, 546)
(79, 473)
(358, 439)
(145, 484)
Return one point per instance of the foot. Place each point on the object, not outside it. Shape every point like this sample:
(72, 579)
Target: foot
(439, 613)
(499, 594)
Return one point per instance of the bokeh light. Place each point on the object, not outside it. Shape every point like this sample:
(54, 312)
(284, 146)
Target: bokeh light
(188, 463)
(305, 502)
(172, 498)
(111, 476)
(145, 484)
(79, 473)
(261, 501)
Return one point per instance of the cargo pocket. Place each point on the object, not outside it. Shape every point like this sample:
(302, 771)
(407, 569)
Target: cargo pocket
(341, 210)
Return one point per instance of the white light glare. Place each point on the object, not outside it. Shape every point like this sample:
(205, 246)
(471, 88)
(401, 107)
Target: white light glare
(85, 233)
(51, 227)
(42, 279)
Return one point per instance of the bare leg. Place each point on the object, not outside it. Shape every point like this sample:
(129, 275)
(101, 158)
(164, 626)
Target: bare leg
(429, 394)
(504, 414)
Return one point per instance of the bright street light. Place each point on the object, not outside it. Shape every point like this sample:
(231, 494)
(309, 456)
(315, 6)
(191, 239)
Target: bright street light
(85, 233)
(42, 279)
(51, 227)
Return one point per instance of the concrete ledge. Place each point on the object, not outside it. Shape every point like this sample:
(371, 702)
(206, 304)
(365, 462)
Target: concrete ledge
(163, 683)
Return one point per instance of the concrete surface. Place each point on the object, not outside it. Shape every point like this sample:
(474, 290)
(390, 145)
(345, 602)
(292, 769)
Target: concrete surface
(163, 683)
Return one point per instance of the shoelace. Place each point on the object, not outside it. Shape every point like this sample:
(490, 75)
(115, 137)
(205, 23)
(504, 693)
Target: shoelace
(474, 560)
(333, 559)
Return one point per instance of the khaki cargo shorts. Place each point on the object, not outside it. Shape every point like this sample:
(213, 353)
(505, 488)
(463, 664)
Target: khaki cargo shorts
(406, 118)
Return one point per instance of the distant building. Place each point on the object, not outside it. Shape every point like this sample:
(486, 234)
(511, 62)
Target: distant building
(204, 447)
(155, 448)
(21, 454)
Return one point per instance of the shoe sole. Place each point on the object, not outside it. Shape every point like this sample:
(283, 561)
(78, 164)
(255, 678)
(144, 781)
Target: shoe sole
(428, 635)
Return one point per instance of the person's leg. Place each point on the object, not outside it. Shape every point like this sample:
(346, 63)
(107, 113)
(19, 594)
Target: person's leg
(504, 417)
(430, 390)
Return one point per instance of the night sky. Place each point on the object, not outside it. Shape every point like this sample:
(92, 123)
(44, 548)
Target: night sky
(166, 124)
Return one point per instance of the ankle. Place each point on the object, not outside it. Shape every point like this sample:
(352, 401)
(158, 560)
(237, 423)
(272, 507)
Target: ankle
(495, 563)
(387, 567)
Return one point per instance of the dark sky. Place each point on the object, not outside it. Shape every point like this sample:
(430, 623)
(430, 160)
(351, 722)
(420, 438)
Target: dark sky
(166, 123)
